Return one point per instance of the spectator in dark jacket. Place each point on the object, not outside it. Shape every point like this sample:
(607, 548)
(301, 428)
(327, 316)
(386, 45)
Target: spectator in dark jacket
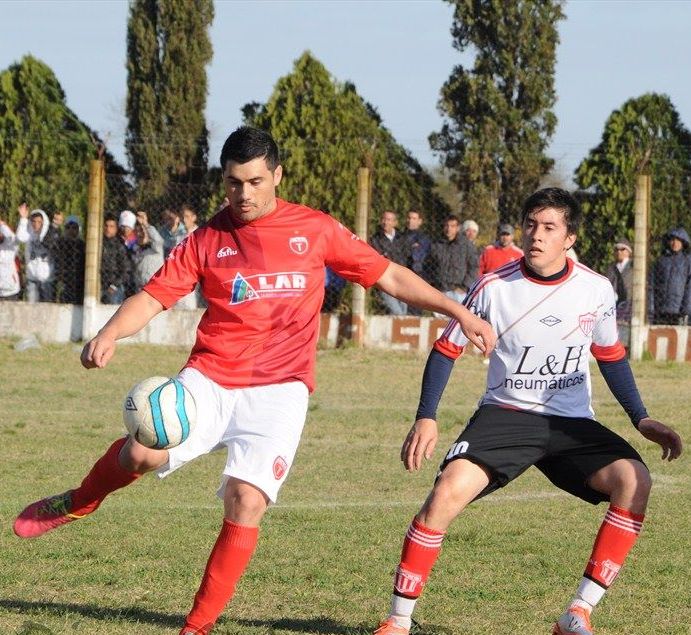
(418, 242)
(669, 286)
(453, 261)
(70, 253)
(620, 274)
(392, 244)
(115, 263)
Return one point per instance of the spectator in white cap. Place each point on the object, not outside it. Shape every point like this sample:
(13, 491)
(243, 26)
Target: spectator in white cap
(620, 272)
(126, 224)
(501, 252)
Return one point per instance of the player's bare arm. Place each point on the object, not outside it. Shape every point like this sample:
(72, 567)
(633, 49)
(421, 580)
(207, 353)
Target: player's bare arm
(419, 443)
(132, 316)
(663, 435)
(405, 285)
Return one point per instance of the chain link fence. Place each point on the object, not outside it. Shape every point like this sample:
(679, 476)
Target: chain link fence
(43, 261)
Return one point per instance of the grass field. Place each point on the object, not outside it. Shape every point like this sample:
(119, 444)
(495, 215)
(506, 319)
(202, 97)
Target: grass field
(328, 550)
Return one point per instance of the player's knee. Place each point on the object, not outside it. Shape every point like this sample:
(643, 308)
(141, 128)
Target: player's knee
(134, 457)
(632, 480)
(244, 503)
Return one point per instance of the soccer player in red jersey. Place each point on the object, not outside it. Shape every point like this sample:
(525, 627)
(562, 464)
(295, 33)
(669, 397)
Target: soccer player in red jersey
(548, 313)
(260, 262)
(502, 251)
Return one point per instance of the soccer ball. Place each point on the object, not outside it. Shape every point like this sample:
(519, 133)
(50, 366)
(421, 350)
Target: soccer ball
(159, 412)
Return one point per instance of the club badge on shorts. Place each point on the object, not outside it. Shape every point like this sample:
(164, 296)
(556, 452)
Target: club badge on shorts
(280, 467)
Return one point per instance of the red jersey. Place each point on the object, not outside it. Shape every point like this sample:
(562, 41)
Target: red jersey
(264, 285)
(495, 256)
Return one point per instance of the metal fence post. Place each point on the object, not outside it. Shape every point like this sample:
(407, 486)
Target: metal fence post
(357, 320)
(640, 266)
(94, 221)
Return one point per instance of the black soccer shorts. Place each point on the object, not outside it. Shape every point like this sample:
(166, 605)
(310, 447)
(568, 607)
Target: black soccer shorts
(566, 450)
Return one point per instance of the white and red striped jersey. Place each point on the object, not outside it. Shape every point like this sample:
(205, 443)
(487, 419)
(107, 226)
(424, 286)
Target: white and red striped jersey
(545, 330)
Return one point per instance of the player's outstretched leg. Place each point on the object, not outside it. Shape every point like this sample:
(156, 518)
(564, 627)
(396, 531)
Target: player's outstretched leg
(106, 476)
(628, 485)
(245, 506)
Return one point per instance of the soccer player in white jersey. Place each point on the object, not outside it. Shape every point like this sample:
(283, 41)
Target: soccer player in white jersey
(260, 262)
(548, 312)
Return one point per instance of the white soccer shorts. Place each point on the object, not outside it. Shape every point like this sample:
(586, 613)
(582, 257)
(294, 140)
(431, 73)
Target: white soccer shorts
(260, 426)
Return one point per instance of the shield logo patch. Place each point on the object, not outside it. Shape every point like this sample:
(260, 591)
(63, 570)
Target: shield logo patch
(586, 322)
(298, 245)
(280, 468)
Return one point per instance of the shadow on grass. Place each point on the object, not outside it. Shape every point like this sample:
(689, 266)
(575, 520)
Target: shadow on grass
(94, 612)
(323, 626)
(317, 625)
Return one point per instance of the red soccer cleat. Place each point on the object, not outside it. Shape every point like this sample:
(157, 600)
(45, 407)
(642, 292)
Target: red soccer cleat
(45, 515)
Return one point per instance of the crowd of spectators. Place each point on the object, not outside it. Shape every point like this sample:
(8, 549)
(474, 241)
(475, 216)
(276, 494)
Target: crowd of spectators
(454, 261)
(43, 259)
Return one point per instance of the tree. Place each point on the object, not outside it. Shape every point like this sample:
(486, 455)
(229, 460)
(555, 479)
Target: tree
(645, 135)
(498, 118)
(168, 48)
(45, 148)
(326, 131)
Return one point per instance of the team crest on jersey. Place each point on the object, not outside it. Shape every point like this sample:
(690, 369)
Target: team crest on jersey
(298, 245)
(280, 467)
(586, 322)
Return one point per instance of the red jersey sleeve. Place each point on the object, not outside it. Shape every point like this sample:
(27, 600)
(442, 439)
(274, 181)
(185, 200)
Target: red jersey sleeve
(178, 275)
(350, 257)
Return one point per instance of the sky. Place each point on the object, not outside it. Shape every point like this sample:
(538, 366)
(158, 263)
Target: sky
(398, 53)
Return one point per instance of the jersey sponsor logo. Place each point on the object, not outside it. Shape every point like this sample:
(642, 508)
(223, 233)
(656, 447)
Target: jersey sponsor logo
(280, 467)
(550, 320)
(242, 291)
(586, 322)
(298, 245)
(265, 285)
(407, 582)
(548, 372)
(224, 252)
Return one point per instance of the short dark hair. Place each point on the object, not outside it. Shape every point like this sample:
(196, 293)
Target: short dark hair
(110, 216)
(452, 217)
(560, 200)
(248, 143)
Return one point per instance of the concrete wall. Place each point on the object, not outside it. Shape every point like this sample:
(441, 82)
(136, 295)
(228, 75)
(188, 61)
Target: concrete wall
(64, 323)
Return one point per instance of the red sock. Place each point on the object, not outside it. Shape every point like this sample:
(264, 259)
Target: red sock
(229, 558)
(617, 535)
(105, 477)
(421, 548)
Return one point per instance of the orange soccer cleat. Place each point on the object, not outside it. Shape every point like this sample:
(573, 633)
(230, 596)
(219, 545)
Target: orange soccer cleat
(574, 621)
(389, 627)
